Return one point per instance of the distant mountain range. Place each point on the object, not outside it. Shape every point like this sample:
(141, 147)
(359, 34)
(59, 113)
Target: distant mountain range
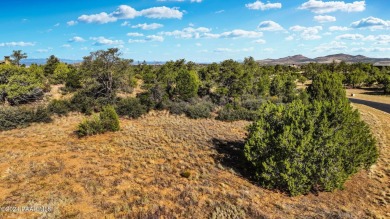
(28, 62)
(300, 59)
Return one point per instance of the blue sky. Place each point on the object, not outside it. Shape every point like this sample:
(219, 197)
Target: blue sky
(197, 30)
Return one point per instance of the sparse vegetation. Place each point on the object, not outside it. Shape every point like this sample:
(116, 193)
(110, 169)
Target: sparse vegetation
(107, 120)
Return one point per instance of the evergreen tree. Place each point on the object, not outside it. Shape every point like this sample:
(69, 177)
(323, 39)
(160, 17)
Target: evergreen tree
(301, 147)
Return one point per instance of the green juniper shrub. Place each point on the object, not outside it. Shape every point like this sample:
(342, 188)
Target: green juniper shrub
(109, 119)
(83, 103)
(22, 116)
(130, 107)
(231, 113)
(106, 120)
(178, 108)
(146, 99)
(300, 147)
(59, 107)
(251, 102)
(198, 111)
(92, 126)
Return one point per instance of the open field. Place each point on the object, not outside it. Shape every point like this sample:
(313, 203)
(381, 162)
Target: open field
(136, 173)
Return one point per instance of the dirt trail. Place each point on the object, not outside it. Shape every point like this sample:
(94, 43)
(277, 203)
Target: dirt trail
(380, 125)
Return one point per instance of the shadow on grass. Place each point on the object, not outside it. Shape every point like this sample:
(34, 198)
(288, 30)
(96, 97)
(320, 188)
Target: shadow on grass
(231, 155)
(380, 106)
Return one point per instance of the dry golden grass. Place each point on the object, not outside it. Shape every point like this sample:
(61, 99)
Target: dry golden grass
(137, 173)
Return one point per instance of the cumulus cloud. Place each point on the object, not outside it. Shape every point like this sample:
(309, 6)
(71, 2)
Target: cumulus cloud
(324, 18)
(378, 39)
(76, 39)
(146, 26)
(188, 32)
(127, 12)
(260, 41)
(155, 38)
(71, 23)
(101, 18)
(101, 41)
(150, 38)
(238, 33)
(162, 12)
(350, 37)
(321, 7)
(338, 28)
(372, 23)
(371, 49)
(332, 46)
(135, 34)
(21, 43)
(269, 26)
(307, 33)
(258, 5)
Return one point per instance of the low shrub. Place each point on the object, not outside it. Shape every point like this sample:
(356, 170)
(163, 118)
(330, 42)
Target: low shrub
(130, 107)
(16, 117)
(230, 113)
(107, 120)
(82, 103)
(90, 127)
(59, 107)
(200, 109)
(195, 109)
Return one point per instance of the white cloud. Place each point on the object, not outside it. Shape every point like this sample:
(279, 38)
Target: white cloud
(338, 28)
(371, 49)
(260, 41)
(289, 38)
(135, 34)
(100, 41)
(350, 37)
(57, 25)
(146, 26)
(307, 33)
(321, 7)
(379, 39)
(198, 44)
(126, 23)
(155, 38)
(125, 12)
(258, 5)
(136, 41)
(222, 50)
(21, 43)
(42, 50)
(269, 26)
(188, 33)
(269, 50)
(66, 46)
(71, 23)
(162, 12)
(238, 33)
(220, 11)
(372, 23)
(324, 18)
(332, 46)
(101, 18)
(76, 39)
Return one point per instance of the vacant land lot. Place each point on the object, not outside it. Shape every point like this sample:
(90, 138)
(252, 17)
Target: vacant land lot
(137, 172)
